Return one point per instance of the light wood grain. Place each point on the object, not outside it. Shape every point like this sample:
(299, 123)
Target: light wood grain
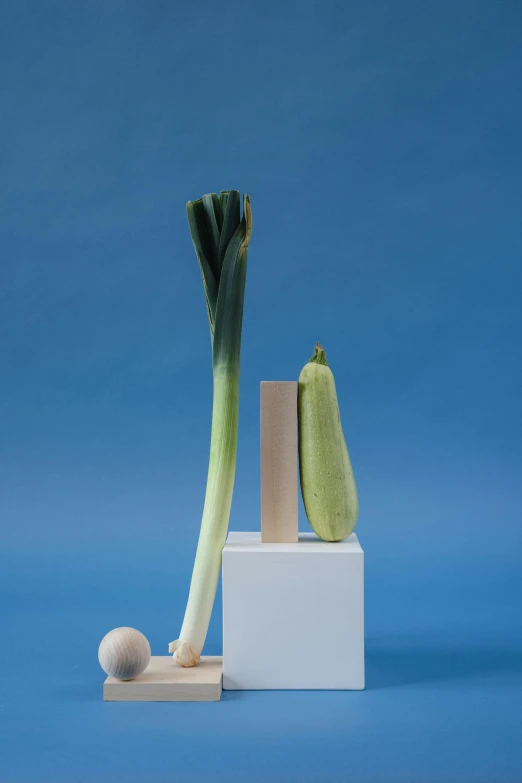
(124, 653)
(279, 462)
(164, 680)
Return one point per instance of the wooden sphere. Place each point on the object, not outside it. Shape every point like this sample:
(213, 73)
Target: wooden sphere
(124, 653)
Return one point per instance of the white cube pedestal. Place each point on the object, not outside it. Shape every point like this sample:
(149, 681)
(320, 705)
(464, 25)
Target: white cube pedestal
(293, 614)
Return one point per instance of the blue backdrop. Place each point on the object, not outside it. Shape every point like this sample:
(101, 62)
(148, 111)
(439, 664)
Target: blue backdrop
(380, 143)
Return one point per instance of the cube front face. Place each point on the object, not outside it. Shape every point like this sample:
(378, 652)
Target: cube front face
(293, 614)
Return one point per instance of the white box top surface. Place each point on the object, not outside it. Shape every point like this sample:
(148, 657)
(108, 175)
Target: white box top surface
(238, 541)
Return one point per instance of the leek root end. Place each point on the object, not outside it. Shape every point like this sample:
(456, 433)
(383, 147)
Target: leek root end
(182, 653)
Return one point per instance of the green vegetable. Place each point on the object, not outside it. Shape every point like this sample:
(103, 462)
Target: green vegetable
(327, 482)
(220, 238)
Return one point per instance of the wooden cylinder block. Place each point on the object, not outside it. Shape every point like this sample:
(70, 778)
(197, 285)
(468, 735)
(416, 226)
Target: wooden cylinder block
(279, 462)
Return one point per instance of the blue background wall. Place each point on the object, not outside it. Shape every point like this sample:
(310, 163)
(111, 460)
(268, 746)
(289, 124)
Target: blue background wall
(380, 143)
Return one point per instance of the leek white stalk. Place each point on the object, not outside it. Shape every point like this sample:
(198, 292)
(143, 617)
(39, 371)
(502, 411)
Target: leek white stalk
(220, 238)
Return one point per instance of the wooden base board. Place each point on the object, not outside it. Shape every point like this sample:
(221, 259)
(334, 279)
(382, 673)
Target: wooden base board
(164, 680)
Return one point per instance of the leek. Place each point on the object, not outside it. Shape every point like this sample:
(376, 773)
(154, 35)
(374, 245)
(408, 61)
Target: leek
(220, 237)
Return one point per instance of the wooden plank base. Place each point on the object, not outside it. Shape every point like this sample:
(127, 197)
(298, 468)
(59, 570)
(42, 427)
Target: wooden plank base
(164, 680)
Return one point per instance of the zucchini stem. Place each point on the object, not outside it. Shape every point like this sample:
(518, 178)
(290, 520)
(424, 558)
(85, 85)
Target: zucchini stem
(319, 356)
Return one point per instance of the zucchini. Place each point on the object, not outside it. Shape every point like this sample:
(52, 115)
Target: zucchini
(327, 482)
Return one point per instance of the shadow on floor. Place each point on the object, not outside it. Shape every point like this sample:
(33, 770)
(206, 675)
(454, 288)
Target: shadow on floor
(390, 667)
(231, 695)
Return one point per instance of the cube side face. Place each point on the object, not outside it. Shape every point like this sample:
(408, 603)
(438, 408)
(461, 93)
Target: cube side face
(293, 620)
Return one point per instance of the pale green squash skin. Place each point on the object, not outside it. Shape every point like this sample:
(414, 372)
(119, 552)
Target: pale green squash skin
(327, 481)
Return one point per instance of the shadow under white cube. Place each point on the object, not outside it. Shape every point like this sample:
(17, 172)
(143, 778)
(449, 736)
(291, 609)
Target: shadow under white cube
(293, 614)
